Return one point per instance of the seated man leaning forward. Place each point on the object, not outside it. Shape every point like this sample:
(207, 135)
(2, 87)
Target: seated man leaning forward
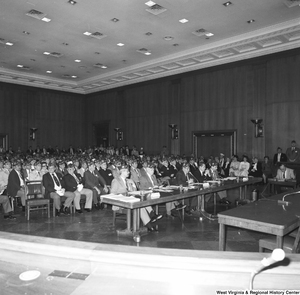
(72, 182)
(284, 173)
(54, 190)
(148, 181)
(123, 185)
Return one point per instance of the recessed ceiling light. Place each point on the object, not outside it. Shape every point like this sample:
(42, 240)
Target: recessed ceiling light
(9, 43)
(74, 77)
(46, 53)
(72, 2)
(183, 21)
(20, 66)
(46, 19)
(209, 34)
(148, 53)
(251, 21)
(150, 3)
(227, 3)
(103, 67)
(48, 72)
(87, 33)
(26, 33)
(77, 60)
(120, 44)
(168, 38)
(115, 20)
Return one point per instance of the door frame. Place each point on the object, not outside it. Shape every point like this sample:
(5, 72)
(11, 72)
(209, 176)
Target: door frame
(232, 133)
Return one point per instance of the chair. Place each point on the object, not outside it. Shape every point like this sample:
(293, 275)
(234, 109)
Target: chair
(290, 242)
(33, 203)
(121, 213)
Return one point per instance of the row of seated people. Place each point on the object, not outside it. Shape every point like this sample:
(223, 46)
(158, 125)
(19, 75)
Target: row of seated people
(94, 177)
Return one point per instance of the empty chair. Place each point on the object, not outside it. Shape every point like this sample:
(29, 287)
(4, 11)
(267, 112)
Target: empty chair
(35, 198)
(290, 242)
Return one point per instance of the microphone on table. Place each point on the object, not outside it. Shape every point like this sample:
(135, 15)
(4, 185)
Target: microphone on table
(277, 255)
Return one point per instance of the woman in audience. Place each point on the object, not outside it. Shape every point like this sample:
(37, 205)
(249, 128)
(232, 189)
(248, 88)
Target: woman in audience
(244, 167)
(234, 167)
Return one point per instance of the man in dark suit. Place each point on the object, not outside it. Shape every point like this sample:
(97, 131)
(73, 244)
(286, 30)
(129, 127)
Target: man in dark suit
(93, 182)
(279, 157)
(105, 173)
(53, 189)
(185, 178)
(72, 182)
(16, 184)
(202, 173)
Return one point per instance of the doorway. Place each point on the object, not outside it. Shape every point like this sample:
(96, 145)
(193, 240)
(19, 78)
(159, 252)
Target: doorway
(102, 133)
(213, 142)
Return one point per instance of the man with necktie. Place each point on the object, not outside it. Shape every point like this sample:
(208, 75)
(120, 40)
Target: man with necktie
(16, 184)
(123, 185)
(293, 153)
(54, 190)
(72, 182)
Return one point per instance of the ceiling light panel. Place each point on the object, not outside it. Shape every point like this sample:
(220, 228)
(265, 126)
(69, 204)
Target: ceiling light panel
(183, 21)
(38, 15)
(156, 9)
(96, 35)
(54, 54)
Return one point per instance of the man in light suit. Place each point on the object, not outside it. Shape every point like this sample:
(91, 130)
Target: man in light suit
(284, 173)
(123, 185)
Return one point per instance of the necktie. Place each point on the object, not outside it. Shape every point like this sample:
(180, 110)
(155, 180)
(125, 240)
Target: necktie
(77, 180)
(283, 175)
(56, 179)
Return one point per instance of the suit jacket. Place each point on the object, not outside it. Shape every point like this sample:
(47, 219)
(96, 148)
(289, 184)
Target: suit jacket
(182, 179)
(145, 181)
(14, 183)
(107, 175)
(48, 183)
(135, 174)
(293, 155)
(119, 187)
(258, 172)
(283, 158)
(70, 183)
(91, 180)
(200, 176)
(289, 174)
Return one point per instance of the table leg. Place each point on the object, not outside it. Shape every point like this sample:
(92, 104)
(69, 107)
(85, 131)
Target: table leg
(240, 193)
(129, 219)
(222, 237)
(279, 242)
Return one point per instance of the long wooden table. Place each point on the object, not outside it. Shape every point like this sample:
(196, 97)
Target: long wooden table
(265, 215)
(287, 183)
(176, 195)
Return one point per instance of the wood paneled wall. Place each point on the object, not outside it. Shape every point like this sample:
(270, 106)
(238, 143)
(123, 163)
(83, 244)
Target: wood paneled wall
(218, 98)
(59, 116)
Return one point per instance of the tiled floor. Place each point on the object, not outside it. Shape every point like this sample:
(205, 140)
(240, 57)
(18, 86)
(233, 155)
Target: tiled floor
(97, 227)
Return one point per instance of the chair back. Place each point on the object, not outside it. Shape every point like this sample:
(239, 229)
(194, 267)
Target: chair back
(34, 188)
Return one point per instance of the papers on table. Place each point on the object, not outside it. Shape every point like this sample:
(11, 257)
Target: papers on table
(121, 198)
